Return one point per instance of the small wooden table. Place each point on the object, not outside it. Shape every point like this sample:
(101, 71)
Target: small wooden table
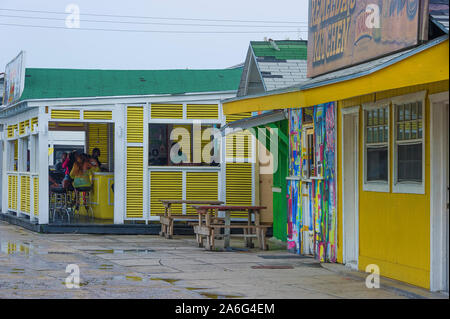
(167, 220)
(206, 228)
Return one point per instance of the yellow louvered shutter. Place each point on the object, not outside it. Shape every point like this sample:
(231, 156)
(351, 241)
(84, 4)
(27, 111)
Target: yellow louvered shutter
(25, 194)
(135, 171)
(239, 116)
(202, 111)
(16, 154)
(34, 121)
(11, 129)
(36, 195)
(135, 124)
(238, 145)
(22, 126)
(201, 186)
(98, 138)
(12, 192)
(239, 185)
(97, 115)
(167, 111)
(65, 114)
(165, 185)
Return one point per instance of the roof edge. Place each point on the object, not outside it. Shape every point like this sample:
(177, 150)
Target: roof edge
(305, 86)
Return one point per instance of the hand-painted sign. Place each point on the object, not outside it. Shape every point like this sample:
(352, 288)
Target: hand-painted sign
(14, 79)
(348, 32)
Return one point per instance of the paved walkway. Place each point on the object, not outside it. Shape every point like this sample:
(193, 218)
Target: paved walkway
(33, 266)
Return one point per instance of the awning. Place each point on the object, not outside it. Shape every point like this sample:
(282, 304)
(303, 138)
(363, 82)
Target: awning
(426, 63)
(255, 121)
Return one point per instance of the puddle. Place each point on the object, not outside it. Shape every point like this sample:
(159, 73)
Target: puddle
(12, 248)
(273, 267)
(130, 278)
(81, 284)
(59, 253)
(100, 252)
(105, 266)
(284, 257)
(170, 281)
(17, 271)
(118, 251)
(218, 296)
(193, 288)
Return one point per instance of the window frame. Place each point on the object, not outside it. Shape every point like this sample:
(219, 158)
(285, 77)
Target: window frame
(408, 187)
(191, 145)
(376, 186)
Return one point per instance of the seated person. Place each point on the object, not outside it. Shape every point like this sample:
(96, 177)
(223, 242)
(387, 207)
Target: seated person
(59, 166)
(96, 155)
(95, 167)
(81, 172)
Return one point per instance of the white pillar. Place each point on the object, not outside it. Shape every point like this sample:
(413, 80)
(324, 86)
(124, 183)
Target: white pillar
(6, 166)
(42, 163)
(3, 176)
(120, 152)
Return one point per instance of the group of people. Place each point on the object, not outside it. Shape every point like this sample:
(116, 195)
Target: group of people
(77, 169)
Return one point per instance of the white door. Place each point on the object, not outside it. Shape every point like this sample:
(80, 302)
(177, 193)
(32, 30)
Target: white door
(350, 183)
(439, 196)
(446, 203)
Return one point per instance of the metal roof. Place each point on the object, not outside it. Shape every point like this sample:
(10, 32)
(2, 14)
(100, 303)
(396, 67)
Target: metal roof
(439, 12)
(351, 72)
(279, 64)
(74, 83)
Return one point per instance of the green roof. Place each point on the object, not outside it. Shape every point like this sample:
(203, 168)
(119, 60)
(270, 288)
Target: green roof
(289, 49)
(70, 83)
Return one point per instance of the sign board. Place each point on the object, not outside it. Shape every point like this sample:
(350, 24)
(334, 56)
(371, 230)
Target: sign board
(347, 32)
(14, 79)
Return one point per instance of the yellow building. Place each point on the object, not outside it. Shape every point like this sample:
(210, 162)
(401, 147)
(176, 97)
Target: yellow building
(391, 156)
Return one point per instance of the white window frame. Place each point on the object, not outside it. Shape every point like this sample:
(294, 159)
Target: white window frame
(376, 186)
(408, 187)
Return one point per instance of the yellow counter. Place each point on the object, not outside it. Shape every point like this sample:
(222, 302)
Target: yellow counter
(102, 196)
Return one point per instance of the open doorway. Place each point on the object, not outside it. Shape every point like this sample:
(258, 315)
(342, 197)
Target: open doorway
(350, 138)
(82, 175)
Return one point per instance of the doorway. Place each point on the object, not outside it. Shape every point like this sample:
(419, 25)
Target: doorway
(350, 121)
(439, 209)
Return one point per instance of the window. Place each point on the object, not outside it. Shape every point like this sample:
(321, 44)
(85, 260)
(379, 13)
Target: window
(376, 151)
(183, 145)
(308, 115)
(409, 148)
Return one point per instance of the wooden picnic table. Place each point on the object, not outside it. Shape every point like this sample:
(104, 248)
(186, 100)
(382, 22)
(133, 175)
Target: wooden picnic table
(168, 218)
(206, 227)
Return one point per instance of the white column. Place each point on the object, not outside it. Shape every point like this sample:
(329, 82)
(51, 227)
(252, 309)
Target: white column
(119, 115)
(146, 184)
(33, 169)
(6, 166)
(42, 163)
(3, 176)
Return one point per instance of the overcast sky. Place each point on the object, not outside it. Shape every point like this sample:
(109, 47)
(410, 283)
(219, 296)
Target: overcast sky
(71, 48)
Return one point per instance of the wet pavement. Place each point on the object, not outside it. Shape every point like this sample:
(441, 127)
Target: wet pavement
(111, 266)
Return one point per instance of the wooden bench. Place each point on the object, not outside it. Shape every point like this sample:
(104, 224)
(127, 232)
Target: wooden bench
(207, 227)
(168, 219)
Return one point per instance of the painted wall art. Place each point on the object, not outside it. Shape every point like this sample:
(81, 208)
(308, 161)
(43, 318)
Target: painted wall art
(312, 214)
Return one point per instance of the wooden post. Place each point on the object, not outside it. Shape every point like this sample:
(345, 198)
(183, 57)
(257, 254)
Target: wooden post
(227, 230)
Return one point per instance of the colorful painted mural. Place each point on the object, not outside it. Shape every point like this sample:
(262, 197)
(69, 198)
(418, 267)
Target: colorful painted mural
(312, 219)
